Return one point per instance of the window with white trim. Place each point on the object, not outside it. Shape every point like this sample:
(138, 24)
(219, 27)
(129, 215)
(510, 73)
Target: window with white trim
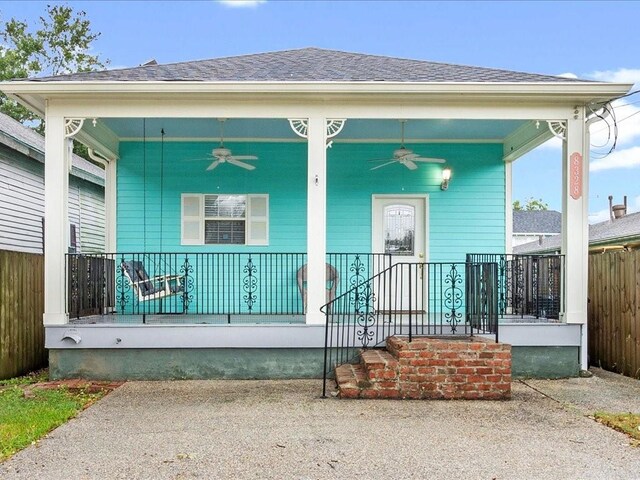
(225, 219)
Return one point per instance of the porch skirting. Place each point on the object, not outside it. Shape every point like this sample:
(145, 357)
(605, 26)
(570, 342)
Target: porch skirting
(162, 352)
(256, 363)
(186, 363)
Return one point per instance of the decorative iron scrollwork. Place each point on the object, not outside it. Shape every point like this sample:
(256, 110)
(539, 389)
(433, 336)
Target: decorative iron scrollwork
(186, 270)
(250, 284)
(365, 315)
(123, 287)
(73, 273)
(502, 285)
(453, 298)
(357, 269)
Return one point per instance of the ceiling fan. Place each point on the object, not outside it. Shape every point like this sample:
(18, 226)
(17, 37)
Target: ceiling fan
(405, 156)
(222, 154)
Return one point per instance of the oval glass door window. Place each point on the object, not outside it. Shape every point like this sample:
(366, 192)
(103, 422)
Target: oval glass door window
(399, 229)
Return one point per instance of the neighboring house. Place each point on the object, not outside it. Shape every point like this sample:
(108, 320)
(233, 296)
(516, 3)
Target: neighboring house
(22, 194)
(622, 232)
(535, 225)
(230, 236)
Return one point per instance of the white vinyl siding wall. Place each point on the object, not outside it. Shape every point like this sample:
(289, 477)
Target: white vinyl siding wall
(22, 206)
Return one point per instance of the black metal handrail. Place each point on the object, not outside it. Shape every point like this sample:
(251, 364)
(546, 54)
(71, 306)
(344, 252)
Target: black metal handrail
(529, 285)
(441, 299)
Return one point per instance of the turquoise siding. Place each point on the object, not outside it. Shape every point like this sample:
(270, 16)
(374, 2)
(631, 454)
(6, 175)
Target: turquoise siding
(280, 172)
(468, 217)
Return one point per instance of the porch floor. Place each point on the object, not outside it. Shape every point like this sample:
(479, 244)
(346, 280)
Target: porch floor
(254, 319)
(163, 319)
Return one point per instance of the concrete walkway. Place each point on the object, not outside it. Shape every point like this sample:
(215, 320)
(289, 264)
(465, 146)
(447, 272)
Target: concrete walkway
(282, 429)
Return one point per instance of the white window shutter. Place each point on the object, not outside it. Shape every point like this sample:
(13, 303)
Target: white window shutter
(258, 220)
(192, 220)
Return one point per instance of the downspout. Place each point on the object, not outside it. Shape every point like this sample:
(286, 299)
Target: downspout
(109, 199)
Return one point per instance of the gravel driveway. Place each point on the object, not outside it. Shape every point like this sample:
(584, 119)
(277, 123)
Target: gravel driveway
(282, 429)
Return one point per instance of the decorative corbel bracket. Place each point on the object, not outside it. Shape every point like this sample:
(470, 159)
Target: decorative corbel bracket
(300, 127)
(72, 126)
(558, 128)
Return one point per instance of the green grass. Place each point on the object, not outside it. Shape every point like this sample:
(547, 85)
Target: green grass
(628, 423)
(25, 419)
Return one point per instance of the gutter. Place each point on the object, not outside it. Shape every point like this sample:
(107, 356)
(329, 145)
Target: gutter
(588, 90)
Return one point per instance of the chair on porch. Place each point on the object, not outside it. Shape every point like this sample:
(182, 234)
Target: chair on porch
(332, 279)
(150, 288)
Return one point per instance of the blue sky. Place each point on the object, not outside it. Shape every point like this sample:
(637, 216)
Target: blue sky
(594, 40)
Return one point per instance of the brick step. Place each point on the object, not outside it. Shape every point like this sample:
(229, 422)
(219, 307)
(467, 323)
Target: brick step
(378, 359)
(351, 379)
(430, 368)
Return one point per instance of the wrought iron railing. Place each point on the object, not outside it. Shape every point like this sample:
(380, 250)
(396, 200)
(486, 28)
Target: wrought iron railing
(529, 285)
(355, 268)
(410, 299)
(185, 283)
(226, 284)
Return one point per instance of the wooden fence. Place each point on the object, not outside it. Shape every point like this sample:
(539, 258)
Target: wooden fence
(21, 309)
(614, 311)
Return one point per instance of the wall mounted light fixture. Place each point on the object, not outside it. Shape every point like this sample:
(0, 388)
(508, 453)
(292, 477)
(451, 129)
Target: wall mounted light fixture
(446, 176)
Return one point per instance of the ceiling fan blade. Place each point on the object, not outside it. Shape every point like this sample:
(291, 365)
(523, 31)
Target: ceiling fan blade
(235, 162)
(244, 157)
(428, 160)
(383, 165)
(214, 164)
(383, 160)
(410, 165)
(409, 156)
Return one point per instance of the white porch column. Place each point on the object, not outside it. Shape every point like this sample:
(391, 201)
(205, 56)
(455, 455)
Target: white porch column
(110, 206)
(316, 219)
(56, 219)
(575, 224)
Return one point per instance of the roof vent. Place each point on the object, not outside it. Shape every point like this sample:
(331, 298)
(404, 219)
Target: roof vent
(150, 63)
(617, 211)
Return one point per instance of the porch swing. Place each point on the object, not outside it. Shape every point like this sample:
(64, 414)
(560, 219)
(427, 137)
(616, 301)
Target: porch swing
(148, 288)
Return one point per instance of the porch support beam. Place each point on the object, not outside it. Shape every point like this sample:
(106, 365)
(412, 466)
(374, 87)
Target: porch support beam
(531, 135)
(56, 234)
(261, 107)
(316, 219)
(575, 224)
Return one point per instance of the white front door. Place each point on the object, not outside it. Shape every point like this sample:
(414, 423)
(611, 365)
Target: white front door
(400, 230)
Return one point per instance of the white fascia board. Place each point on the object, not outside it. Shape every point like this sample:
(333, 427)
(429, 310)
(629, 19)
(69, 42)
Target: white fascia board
(571, 91)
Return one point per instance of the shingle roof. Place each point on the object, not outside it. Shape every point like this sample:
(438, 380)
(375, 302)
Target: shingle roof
(308, 64)
(626, 228)
(11, 129)
(537, 221)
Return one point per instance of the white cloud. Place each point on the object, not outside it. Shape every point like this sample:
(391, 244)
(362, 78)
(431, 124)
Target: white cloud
(599, 216)
(626, 158)
(568, 75)
(241, 3)
(622, 75)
